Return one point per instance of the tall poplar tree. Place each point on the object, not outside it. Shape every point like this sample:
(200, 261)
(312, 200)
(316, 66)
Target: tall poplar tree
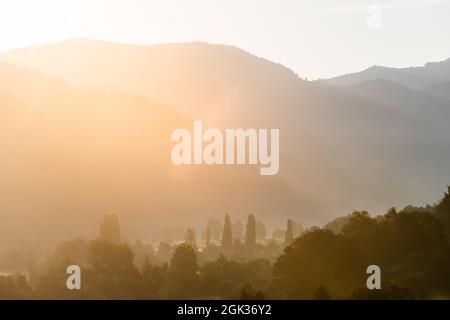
(227, 238)
(250, 233)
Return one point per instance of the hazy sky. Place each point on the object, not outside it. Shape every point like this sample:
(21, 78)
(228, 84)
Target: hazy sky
(315, 38)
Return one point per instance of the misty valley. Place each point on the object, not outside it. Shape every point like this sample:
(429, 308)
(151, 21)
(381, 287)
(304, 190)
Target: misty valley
(283, 188)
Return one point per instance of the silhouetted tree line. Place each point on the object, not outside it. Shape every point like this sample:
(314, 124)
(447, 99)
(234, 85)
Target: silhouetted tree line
(412, 248)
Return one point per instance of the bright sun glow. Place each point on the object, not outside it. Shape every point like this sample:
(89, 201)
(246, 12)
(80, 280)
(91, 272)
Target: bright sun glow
(24, 23)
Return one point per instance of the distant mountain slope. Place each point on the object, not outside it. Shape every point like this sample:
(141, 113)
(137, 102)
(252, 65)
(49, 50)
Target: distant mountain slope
(340, 149)
(70, 155)
(195, 78)
(441, 89)
(420, 107)
(401, 97)
(413, 77)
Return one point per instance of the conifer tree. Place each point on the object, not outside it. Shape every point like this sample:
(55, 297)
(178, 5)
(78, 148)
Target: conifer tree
(190, 239)
(289, 234)
(207, 237)
(227, 238)
(250, 233)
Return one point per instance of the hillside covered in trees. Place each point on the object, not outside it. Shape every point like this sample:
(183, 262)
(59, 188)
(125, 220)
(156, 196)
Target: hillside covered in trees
(412, 248)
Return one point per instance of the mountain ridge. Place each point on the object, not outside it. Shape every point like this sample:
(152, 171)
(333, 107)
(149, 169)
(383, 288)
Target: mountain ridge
(341, 149)
(414, 77)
